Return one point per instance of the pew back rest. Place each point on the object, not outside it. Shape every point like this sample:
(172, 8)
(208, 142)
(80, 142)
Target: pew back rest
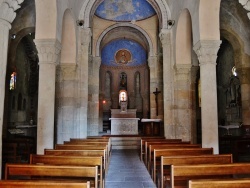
(177, 152)
(42, 184)
(219, 183)
(58, 152)
(49, 171)
(205, 171)
(183, 160)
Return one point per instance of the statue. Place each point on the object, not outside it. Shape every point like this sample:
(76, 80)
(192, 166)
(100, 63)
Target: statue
(233, 92)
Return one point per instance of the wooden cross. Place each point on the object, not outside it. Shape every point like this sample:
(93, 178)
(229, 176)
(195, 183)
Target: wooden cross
(156, 92)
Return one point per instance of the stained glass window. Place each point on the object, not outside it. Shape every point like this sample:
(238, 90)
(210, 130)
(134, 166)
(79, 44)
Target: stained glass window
(13, 81)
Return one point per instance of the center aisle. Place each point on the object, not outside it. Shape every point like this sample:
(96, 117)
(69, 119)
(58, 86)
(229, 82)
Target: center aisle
(126, 170)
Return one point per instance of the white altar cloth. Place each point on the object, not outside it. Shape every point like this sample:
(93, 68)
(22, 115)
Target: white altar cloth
(123, 126)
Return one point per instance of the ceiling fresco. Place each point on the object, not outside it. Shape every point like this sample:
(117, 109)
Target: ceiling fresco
(123, 52)
(125, 10)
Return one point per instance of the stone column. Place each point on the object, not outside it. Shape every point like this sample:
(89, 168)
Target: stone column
(244, 76)
(207, 55)
(48, 52)
(83, 61)
(152, 62)
(183, 101)
(7, 15)
(165, 37)
(66, 105)
(93, 103)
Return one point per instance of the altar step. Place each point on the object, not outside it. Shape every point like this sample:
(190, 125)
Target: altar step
(125, 142)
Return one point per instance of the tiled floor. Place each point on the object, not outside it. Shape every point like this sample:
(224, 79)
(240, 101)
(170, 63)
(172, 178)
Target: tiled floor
(127, 171)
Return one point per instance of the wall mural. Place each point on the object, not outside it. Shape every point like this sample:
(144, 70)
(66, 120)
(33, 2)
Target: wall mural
(123, 52)
(124, 10)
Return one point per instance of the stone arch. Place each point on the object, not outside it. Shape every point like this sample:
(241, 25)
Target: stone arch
(237, 44)
(184, 38)
(149, 41)
(160, 6)
(68, 51)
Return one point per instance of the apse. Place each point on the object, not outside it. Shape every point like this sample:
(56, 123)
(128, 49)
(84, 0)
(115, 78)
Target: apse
(123, 52)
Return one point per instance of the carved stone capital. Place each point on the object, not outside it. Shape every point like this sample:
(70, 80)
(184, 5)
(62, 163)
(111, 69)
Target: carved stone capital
(8, 8)
(48, 50)
(246, 5)
(85, 36)
(68, 71)
(206, 51)
(152, 61)
(164, 36)
(183, 72)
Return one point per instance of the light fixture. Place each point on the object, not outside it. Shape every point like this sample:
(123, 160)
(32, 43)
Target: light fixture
(13, 36)
(170, 23)
(80, 23)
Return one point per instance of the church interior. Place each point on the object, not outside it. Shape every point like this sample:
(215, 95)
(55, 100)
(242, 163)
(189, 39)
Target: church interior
(124, 70)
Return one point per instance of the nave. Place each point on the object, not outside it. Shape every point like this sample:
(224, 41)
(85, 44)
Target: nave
(126, 170)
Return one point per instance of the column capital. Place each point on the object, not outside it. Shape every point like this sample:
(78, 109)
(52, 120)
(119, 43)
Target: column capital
(246, 5)
(85, 36)
(183, 71)
(206, 51)
(8, 8)
(165, 36)
(152, 60)
(48, 50)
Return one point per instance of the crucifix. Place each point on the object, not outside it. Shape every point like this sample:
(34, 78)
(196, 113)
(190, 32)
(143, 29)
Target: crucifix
(156, 92)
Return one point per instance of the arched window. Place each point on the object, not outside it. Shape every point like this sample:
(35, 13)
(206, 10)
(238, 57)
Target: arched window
(13, 81)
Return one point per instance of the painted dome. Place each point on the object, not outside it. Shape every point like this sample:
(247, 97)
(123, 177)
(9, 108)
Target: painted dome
(125, 10)
(123, 52)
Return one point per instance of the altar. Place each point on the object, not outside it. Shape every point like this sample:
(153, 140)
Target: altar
(123, 120)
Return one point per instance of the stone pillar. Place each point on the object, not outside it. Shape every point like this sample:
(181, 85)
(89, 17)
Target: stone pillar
(83, 61)
(183, 101)
(169, 128)
(93, 103)
(48, 52)
(115, 90)
(66, 105)
(154, 83)
(207, 55)
(244, 76)
(7, 15)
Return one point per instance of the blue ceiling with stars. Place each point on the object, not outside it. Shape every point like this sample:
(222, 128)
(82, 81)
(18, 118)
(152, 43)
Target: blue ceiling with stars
(125, 10)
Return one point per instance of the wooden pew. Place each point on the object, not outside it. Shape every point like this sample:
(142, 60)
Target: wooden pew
(166, 146)
(84, 147)
(42, 184)
(219, 183)
(143, 140)
(72, 161)
(78, 153)
(147, 143)
(176, 152)
(166, 161)
(56, 172)
(81, 140)
(180, 174)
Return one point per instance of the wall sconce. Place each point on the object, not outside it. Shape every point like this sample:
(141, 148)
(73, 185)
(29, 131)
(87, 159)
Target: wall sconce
(80, 23)
(13, 36)
(170, 23)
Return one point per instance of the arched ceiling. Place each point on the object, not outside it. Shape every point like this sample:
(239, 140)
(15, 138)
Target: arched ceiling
(125, 33)
(129, 10)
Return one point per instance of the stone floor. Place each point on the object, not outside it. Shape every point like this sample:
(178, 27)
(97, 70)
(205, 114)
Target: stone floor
(127, 171)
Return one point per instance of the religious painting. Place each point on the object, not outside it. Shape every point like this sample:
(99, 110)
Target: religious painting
(123, 57)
